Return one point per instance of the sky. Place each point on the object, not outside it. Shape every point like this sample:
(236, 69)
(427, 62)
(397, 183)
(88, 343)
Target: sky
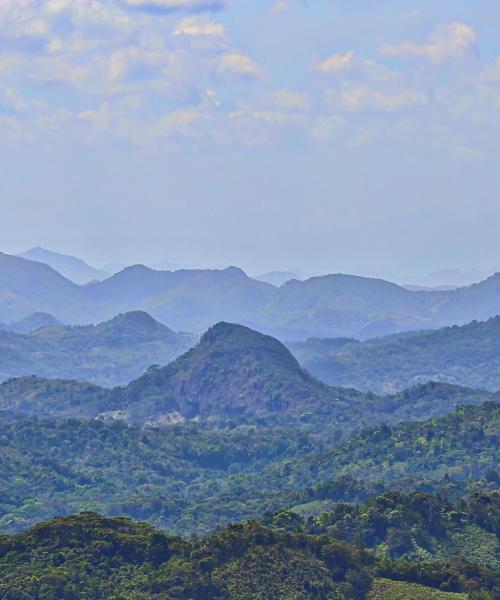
(323, 135)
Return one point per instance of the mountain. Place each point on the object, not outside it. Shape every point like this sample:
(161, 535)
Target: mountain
(328, 306)
(235, 372)
(111, 353)
(468, 355)
(463, 444)
(74, 269)
(27, 287)
(451, 278)
(278, 278)
(33, 323)
(233, 376)
(193, 300)
(346, 304)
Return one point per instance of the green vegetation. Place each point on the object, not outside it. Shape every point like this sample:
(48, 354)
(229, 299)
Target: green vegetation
(415, 527)
(467, 355)
(109, 354)
(88, 557)
(187, 478)
(385, 589)
(464, 444)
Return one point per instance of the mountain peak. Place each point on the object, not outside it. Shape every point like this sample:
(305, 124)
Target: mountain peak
(233, 371)
(139, 319)
(71, 267)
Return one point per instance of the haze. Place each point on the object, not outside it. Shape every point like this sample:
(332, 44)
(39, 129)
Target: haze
(326, 136)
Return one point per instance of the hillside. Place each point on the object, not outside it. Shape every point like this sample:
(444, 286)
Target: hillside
(235, 372)
(28, 287)
(233, 376)
(420, 526)
(89, 557)
(74, 269)
(463, 444)
(32, 323)
(468, 355)
(109, 354)
(189, 479)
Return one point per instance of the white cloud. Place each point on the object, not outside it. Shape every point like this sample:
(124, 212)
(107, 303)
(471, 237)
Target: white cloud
(357, 97)
(178, 123)
(237, 64)
(198, 26)
(336, 62)
(450, 41)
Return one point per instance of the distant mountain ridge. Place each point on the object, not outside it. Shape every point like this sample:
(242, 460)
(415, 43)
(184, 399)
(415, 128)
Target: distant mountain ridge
(74, 269)
(327, 306)
(467, 355)
(111, 353)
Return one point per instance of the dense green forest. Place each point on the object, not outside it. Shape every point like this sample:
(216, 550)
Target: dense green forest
(419, 526)
(186, 478)
(87, 557)
(468, 355)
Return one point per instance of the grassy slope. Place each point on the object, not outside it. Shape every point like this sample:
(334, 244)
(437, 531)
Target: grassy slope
(385, 589)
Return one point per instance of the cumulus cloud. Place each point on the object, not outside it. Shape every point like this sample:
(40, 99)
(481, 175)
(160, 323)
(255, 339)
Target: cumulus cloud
(336, 62)
(198, 26)
(450, 41)
(237, 64)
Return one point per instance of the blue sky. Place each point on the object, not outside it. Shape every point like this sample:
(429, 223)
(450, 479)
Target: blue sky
(325, 135)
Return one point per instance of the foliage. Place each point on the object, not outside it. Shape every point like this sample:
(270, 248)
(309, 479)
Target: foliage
(187, 478)
(385, 589)
(88, 557)
(418, 526)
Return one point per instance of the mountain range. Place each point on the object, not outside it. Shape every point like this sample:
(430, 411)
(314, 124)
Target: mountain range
(234, 376)
(327, 306)
(345, 500)
(467, 355)
(111, 353)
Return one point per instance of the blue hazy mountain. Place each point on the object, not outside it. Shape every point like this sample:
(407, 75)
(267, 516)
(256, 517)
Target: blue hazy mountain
(192, 300)
(74, 269)
(468, 355)
(111, 353)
